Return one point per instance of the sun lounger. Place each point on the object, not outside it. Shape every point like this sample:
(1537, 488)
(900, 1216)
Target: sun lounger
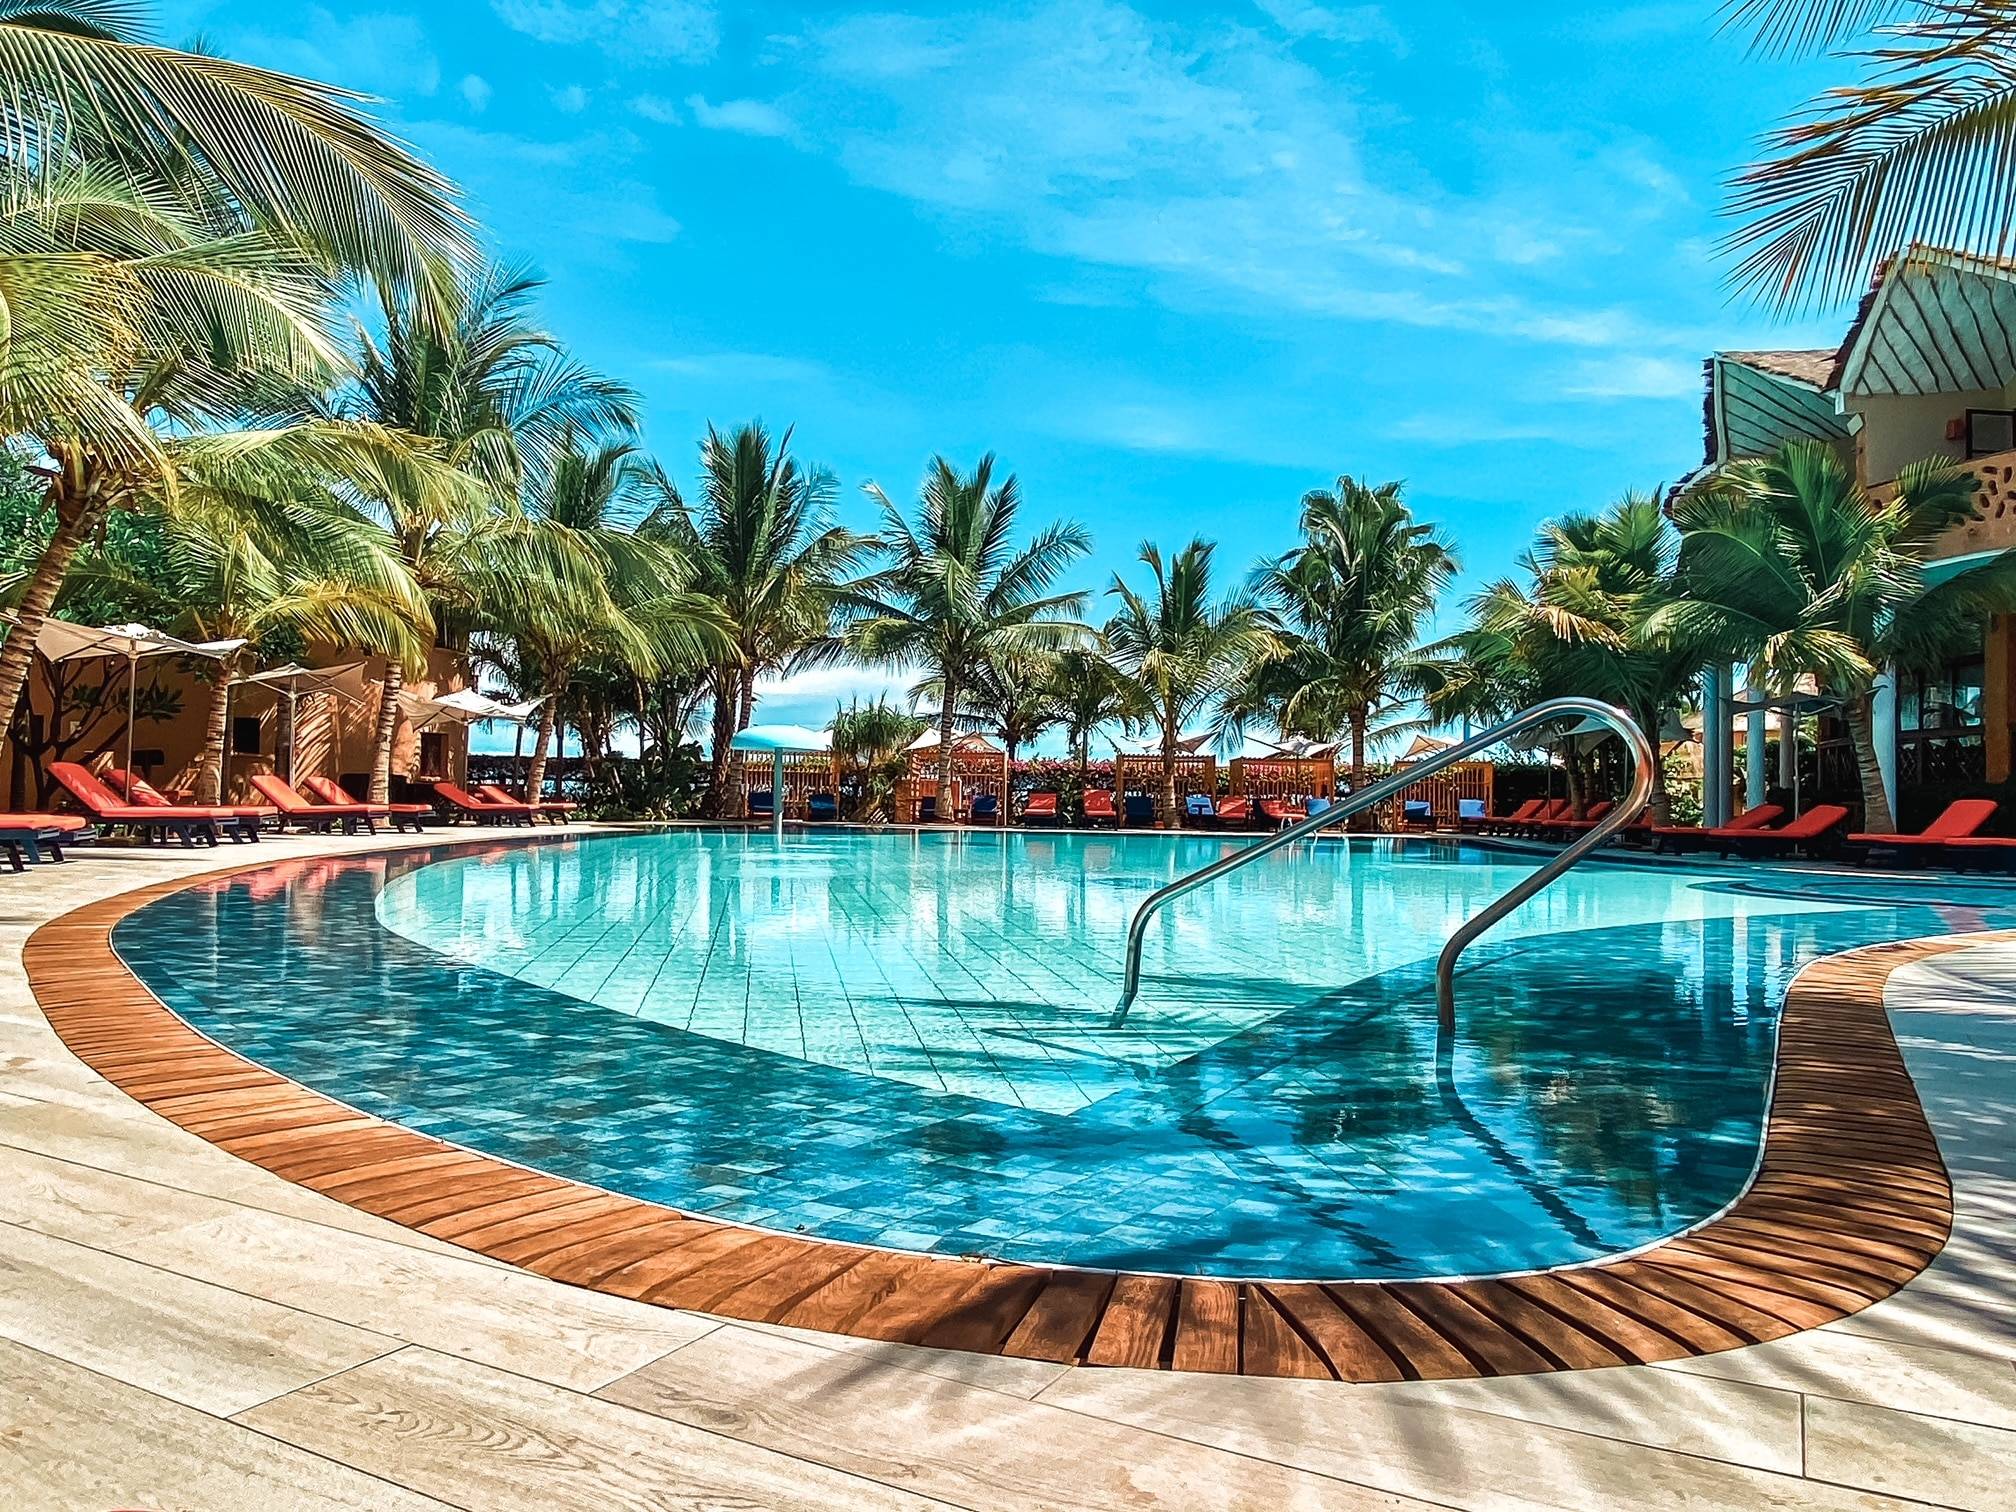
(143, 821)
(1199, 809)
(464, 802)
(820, 808)
(319, 818)
(1416, 813)
(1542, 819)
(25, 837)
(1140, 810)
(762, 803)
(138, 790)
(1280, 813)
(403, 815)
(985, 809)
(1500, 823)
(1812, 831)
(1040, 808)
(1591, 817)
(557, 810)
(1470, 815)
(1099, 808)
(1685, 837)
(1959, 822)
(1320, 806)
(1234, 812)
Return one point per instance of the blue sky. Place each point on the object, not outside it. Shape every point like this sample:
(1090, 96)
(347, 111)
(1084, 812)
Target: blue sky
(1174, 264)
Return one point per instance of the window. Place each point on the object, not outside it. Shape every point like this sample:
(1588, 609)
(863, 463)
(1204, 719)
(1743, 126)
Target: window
(245, 734)
(1990, 431)
(433, 754)
(1949, 699)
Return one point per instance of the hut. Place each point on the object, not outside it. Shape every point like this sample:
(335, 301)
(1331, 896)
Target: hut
(979, 770)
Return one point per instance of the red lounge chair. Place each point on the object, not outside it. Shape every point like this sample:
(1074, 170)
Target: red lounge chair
(484, 812)
(555, 809)
(1687, 836)
(1281, 813)
(1810, 831)
(1527, 810)
(1234, 812)
(1959, 822)
(1099, 808)
(1040, 808)
(25, 837)
(316, 818)
(1591, 817)
(402, 815)
(1551, 813)
(146, 821)
(138, 790)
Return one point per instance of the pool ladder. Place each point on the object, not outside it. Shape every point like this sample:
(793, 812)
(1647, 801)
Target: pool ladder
(1642, 759)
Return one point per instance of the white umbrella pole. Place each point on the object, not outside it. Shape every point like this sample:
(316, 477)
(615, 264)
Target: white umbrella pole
(293, 734)
(777, 794)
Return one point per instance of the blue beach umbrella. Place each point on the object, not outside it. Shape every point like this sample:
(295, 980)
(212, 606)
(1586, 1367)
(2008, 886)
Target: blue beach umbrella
(780, 741)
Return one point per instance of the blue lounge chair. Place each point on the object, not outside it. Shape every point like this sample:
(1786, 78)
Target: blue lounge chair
(1319, 806)
(762, 801)
(984, 809)
(1199, 808)
(1470, 813)
(1417, 811)
(927, 810)
(1139, 809)
(822, 808)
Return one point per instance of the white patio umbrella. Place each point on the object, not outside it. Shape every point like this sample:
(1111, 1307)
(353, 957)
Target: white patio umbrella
(294, 682)
(779, 741)
(61, 641)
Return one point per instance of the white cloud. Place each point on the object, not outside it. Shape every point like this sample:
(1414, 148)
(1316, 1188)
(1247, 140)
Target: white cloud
(683, 31)
(580, 184)
(571, 100)
(378, 53)
(1348, 24)
(749, 117)
(476, 91)
(657, 108)
(1633, 376)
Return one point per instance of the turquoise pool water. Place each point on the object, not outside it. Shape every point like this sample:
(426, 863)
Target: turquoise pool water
(905, 1038)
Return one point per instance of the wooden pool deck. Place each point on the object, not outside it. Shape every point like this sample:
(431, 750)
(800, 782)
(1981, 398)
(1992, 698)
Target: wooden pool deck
(1851, 1201)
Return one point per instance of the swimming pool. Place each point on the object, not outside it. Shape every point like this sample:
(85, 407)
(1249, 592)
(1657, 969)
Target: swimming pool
(904, 1039)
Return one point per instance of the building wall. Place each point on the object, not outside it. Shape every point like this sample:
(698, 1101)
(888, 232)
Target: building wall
(1899, 429)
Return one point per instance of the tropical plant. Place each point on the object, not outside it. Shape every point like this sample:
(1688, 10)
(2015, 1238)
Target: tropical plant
(169, 227)
(1013, 697)
(871, 740)
(957, 590)
(1916, 153)
(1348, 607)
(1089, 695)
(634, 607)
(1788, 563)
(499, 403)
(762, 543)
(1183, 651)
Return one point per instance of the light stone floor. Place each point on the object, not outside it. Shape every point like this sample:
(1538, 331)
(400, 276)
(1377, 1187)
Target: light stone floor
(179, 1330)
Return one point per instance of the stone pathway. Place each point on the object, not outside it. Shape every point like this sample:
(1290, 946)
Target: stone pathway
(181, 1330)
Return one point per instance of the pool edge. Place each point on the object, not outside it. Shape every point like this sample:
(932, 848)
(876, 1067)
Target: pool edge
(1813, 1239)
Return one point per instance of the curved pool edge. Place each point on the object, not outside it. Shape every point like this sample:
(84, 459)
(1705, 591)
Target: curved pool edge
(1813, 1239)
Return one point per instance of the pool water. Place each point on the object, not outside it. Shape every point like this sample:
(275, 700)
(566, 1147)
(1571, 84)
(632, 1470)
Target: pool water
(908, 1039)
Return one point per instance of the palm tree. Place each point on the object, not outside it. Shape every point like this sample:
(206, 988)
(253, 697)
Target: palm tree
(160, 209)
(634, 609)
(764, 546)
(1348, 607)
(1013, 696)
(496, 397)
(1089, 694)
(300, 569)
(1788, 563)
(957, 590)
(871, 738)
(1183, 652)
(1916, 153)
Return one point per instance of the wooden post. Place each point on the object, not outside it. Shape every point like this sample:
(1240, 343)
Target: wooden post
(1998, 697)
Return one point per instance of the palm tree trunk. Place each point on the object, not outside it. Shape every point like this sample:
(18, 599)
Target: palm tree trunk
(388, 726)
(76, 517)
(1860, 719)
(1171, 818)
(1660, 804)
(724, 735)
(210, 765)
(1356, 719)
(549, 715)
(949, 705)
(746, 707)
(1571, 763)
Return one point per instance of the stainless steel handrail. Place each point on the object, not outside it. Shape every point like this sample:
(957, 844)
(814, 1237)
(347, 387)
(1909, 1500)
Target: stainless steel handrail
(1642, 758)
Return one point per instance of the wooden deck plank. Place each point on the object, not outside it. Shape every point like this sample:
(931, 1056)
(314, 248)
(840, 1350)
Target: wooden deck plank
(1270, 1345)
(1059, 1323)
(1351, 1353)
(1135, 1325)
(1207, 1327)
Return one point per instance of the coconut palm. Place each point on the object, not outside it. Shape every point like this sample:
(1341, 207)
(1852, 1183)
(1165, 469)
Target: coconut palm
(1183, 651)
(1348, 606)
(762, 543)
(1013, 697)
(634, 609)
(872, 738)
(1788, 563)
(497, 398)
(1089, 695)
(302, 569)
(1915, 153)
(957, 590)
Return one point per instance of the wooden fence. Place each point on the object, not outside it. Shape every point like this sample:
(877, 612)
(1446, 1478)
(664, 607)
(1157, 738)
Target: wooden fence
(1135, 773)
(978, 773)
(1284, 777)
(805, 773)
